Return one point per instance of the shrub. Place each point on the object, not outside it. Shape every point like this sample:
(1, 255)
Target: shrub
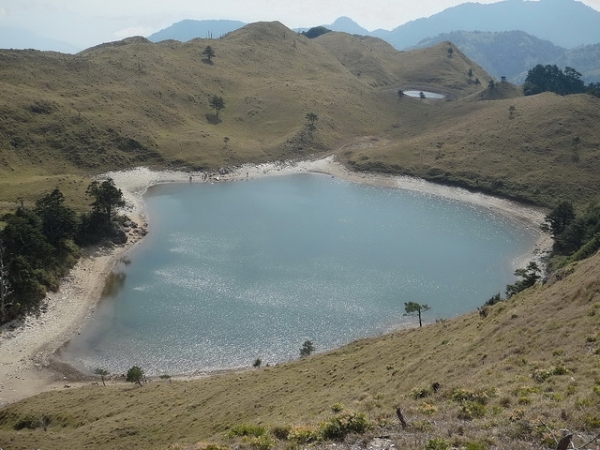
(29, 422)
(302, 435)
(338, 407)
(475, 446)
(263, 442)
(470, 410)
(428, 409)
(246, 430)
(420, 392)
(437, 444)
(281, 432)
(337, 428)
(481, 396)
(592, 423)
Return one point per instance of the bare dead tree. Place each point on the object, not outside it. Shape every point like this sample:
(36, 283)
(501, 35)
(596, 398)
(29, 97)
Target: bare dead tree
(401, 418)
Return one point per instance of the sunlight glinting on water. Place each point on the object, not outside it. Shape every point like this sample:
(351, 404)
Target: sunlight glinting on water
(238, 271)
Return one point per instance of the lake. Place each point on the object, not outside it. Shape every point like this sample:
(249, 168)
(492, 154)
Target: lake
(431, 95)
(235, 271)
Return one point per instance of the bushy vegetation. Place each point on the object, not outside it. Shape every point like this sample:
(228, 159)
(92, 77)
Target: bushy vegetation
(550, 78)
(576, 236)
(38, 246)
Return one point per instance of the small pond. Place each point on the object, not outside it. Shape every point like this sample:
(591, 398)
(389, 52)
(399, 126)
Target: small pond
(430, 95)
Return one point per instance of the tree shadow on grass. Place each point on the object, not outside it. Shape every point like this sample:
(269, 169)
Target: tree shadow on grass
(213, 119)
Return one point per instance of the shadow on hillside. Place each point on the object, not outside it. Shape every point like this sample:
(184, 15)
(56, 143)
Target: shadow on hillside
(213, 119)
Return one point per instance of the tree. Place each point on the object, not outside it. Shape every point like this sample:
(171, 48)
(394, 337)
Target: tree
(312, 118)
(307, 349)
(226, 140)
(491, 85)
(400, 94)
(102, 373)
(450, 51)
(256, 364)
(529, 276)
(135, 375)
(421, 96)
(470, 73)
(107, 197)
(217, 103)
(209, 53)
(5, 289)
(560, 217)
(413, 308)
(550, 78)
(59, 222)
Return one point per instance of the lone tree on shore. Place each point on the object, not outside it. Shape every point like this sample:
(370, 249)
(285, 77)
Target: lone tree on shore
(102, 373)
(414, 308)
(135, 375)
(307, 349)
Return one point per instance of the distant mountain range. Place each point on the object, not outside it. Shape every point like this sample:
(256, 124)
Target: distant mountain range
(19, 39)
(547, 32)
(513, 53)
(567, 23)
(506, 38)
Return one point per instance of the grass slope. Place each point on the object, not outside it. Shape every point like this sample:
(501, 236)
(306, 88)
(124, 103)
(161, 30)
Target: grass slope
(132, 102)
(530, 366)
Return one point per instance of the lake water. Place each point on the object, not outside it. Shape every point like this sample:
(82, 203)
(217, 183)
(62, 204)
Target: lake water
(417, 94)
(235, 271)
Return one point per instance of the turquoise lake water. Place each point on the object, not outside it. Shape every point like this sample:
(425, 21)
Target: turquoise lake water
(235, 271)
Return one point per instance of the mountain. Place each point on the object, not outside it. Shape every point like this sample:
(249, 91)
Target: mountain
(190, 29)
(513, 53)
(134, 102)
(20, 39)
(567, 23)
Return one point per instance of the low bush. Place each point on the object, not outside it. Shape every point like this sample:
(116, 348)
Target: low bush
(246, 430)
(337, 428)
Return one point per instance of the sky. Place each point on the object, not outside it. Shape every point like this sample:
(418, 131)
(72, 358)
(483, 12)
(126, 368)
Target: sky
(85, 23)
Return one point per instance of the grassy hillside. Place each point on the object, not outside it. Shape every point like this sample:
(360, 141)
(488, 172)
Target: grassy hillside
(545, 150)
(129, 103)
(530, 367)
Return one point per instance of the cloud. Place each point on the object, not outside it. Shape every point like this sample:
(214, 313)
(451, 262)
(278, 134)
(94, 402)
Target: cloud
(3, 12)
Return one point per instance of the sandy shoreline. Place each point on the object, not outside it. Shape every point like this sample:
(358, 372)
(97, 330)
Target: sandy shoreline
(26, 352)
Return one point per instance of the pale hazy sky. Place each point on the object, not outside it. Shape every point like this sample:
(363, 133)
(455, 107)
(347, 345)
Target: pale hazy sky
(85, 23)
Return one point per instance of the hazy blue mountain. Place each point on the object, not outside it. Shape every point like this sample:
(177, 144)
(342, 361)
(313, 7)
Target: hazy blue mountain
(513, 53)
(189, 29)
(347, 25)
(567, 23)
(20, 39)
